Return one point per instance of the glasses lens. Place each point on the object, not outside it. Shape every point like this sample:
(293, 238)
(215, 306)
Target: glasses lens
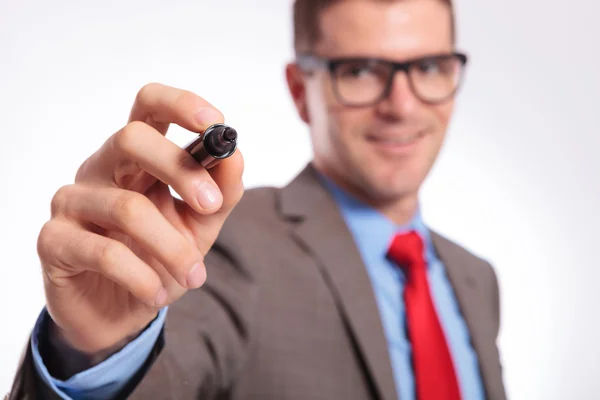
(361, 81)
(435, 79)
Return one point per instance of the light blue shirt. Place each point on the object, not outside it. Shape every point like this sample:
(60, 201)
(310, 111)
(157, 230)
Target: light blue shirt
(372, 233)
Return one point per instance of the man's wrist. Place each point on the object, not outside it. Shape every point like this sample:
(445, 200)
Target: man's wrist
(63, 360)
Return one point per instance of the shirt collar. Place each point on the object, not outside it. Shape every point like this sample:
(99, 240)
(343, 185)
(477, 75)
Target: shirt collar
(372, 230)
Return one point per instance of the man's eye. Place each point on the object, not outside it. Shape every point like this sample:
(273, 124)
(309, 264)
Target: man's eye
(441, 66)
(356, 71)
(429, 67)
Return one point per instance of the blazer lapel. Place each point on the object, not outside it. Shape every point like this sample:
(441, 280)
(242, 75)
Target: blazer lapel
(322, 231)
(469, 291)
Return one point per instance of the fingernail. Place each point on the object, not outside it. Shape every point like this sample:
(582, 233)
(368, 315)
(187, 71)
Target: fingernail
(196, 276)
(209, 196)
(207, 116)
(161, 297)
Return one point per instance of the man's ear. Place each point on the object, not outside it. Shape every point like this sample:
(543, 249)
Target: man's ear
(297, 89)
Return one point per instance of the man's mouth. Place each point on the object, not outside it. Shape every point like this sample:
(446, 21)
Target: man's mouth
(396, 140)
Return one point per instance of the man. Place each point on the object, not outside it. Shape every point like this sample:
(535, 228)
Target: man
(329, 288)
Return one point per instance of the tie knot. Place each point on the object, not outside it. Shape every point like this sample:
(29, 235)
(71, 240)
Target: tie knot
(406, 250)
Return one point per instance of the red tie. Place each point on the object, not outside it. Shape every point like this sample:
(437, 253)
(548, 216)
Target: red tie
(434, 371)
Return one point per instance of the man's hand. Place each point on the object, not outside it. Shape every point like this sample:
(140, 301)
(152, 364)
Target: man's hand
(118, 246)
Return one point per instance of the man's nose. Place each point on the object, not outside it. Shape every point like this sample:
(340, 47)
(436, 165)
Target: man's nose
(401, 100)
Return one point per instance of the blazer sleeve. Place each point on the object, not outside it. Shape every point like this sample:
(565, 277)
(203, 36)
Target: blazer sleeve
(200, 350)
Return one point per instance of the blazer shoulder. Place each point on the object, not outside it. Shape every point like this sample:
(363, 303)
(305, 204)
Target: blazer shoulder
(445, 245)
(459, 258)
(257, 202)
(256, 212)
(253, 225)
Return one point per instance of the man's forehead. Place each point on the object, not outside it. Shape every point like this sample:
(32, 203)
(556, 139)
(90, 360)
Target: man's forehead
(382, 28)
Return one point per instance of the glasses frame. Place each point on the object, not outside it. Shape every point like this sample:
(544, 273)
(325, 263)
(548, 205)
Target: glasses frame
(308, 62)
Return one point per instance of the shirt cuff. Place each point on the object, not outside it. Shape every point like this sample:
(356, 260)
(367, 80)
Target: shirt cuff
(106, 379)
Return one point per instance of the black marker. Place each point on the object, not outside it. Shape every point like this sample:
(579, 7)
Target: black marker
(217, 142)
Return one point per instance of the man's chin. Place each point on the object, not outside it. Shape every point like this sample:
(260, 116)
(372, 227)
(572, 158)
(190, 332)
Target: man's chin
(378, 183)
(385, 192)
(387, 195)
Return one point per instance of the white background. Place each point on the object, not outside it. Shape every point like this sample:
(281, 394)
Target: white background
(517, 182)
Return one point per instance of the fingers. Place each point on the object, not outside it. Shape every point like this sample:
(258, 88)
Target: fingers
(135, 215)
(228, 175)
(160, 105)
(146, 148)
(66, 248)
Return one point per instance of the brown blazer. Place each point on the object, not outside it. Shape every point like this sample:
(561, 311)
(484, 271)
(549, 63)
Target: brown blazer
(288, 312)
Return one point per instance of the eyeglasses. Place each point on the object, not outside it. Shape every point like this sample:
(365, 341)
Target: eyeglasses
(360, 82)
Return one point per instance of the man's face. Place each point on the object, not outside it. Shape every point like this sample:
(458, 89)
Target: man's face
(382, 151)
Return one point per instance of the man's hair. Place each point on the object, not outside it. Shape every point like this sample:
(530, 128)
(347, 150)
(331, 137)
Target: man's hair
(307, 30)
